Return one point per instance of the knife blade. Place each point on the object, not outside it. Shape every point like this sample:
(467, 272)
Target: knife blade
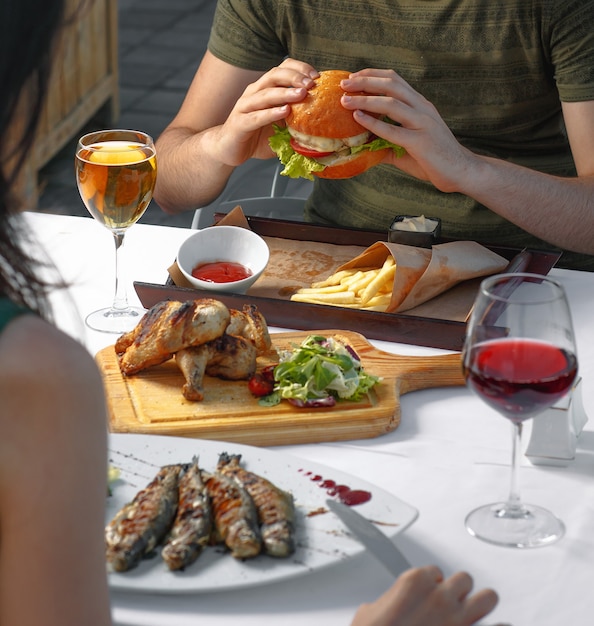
(371, 537)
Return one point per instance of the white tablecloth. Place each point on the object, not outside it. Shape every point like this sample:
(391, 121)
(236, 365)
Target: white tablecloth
(449, 454)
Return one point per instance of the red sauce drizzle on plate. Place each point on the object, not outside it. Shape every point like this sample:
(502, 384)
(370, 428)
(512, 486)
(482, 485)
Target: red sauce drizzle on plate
(221, 272)
(344, 493)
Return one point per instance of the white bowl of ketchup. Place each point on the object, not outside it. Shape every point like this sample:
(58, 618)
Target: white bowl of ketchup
(223, 258)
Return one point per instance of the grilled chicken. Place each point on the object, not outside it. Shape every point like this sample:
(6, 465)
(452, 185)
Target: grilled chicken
(168, 327)
(250, 323)
(229, 357)
(205, 336)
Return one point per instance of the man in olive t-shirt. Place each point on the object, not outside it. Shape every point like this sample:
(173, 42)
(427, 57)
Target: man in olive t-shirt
(497, 74)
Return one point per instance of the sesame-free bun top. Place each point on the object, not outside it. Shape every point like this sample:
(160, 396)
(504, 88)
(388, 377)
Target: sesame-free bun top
(320, 113)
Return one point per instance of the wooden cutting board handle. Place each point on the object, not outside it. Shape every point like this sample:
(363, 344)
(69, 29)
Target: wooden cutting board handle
(431, 371)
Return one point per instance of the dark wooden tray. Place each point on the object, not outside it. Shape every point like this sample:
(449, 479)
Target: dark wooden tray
(401, 328)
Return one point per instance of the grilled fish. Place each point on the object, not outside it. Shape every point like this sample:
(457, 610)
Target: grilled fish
(193, 522)
(140, 525)
(235, 517)
(275, 507)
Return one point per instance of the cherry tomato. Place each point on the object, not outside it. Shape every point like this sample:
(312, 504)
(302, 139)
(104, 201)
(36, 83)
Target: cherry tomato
(262, 383)
(312, 154)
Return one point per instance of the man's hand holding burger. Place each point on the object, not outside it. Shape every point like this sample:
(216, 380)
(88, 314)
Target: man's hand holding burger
(245, 131)
(224, 120)
(432, 151)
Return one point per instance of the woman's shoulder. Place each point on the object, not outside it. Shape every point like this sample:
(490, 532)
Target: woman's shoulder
(9, 310)
(32, 348)
(51, 388)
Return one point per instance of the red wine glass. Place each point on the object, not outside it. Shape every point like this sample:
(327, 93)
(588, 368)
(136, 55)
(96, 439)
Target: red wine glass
(520, 358)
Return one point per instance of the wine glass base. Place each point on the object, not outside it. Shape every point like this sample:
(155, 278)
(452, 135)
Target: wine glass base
(117, 321)
(518, 526)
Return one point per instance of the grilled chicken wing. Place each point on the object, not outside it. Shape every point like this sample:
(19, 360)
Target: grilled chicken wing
(250, 323)
(229, 356)
(168, 327)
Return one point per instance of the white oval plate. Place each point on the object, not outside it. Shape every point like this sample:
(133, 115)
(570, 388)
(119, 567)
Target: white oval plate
(322, 540)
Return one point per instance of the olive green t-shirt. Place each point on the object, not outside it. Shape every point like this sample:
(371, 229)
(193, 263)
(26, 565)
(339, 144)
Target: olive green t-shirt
(496, 72)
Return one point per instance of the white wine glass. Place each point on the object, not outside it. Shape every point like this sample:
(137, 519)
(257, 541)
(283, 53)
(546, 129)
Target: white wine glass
(520, 358)
(116, 171)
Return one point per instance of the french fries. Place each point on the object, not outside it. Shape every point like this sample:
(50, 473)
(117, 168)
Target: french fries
(358, 288)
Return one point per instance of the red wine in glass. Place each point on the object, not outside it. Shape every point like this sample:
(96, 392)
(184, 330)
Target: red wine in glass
(520, 377)
(520, 358)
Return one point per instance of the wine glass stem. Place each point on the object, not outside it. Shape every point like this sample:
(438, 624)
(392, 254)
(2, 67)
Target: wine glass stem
(514, 491)
(120, 300)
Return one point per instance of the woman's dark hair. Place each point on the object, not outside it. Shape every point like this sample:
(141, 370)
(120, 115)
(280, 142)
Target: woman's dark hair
(28, 31)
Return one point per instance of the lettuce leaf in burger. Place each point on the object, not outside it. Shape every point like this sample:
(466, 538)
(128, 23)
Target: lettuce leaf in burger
(321, 137)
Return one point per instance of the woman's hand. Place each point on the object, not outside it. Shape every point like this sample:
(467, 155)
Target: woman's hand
(432, 151)
(421, 597)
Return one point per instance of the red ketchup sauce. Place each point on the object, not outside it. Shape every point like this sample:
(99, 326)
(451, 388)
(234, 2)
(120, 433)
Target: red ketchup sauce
(221, 272)
(346, 495)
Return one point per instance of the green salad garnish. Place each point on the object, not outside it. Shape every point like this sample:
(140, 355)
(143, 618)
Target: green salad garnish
(319, 372)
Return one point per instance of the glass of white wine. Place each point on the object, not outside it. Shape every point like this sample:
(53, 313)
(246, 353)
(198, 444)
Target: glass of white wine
(116, 171)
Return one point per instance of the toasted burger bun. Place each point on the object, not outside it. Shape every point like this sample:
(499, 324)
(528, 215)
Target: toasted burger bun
(321, 113)
(320, 122)
(354, 165)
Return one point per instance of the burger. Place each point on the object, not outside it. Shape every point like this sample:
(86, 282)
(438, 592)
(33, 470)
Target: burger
(321, 138)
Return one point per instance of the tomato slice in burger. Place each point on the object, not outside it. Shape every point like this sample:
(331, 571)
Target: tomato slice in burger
(307, 152)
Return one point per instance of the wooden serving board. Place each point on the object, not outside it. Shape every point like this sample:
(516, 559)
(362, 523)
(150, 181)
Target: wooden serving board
(151, 402)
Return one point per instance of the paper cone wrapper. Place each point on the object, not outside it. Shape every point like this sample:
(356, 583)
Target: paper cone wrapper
(421, 273)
